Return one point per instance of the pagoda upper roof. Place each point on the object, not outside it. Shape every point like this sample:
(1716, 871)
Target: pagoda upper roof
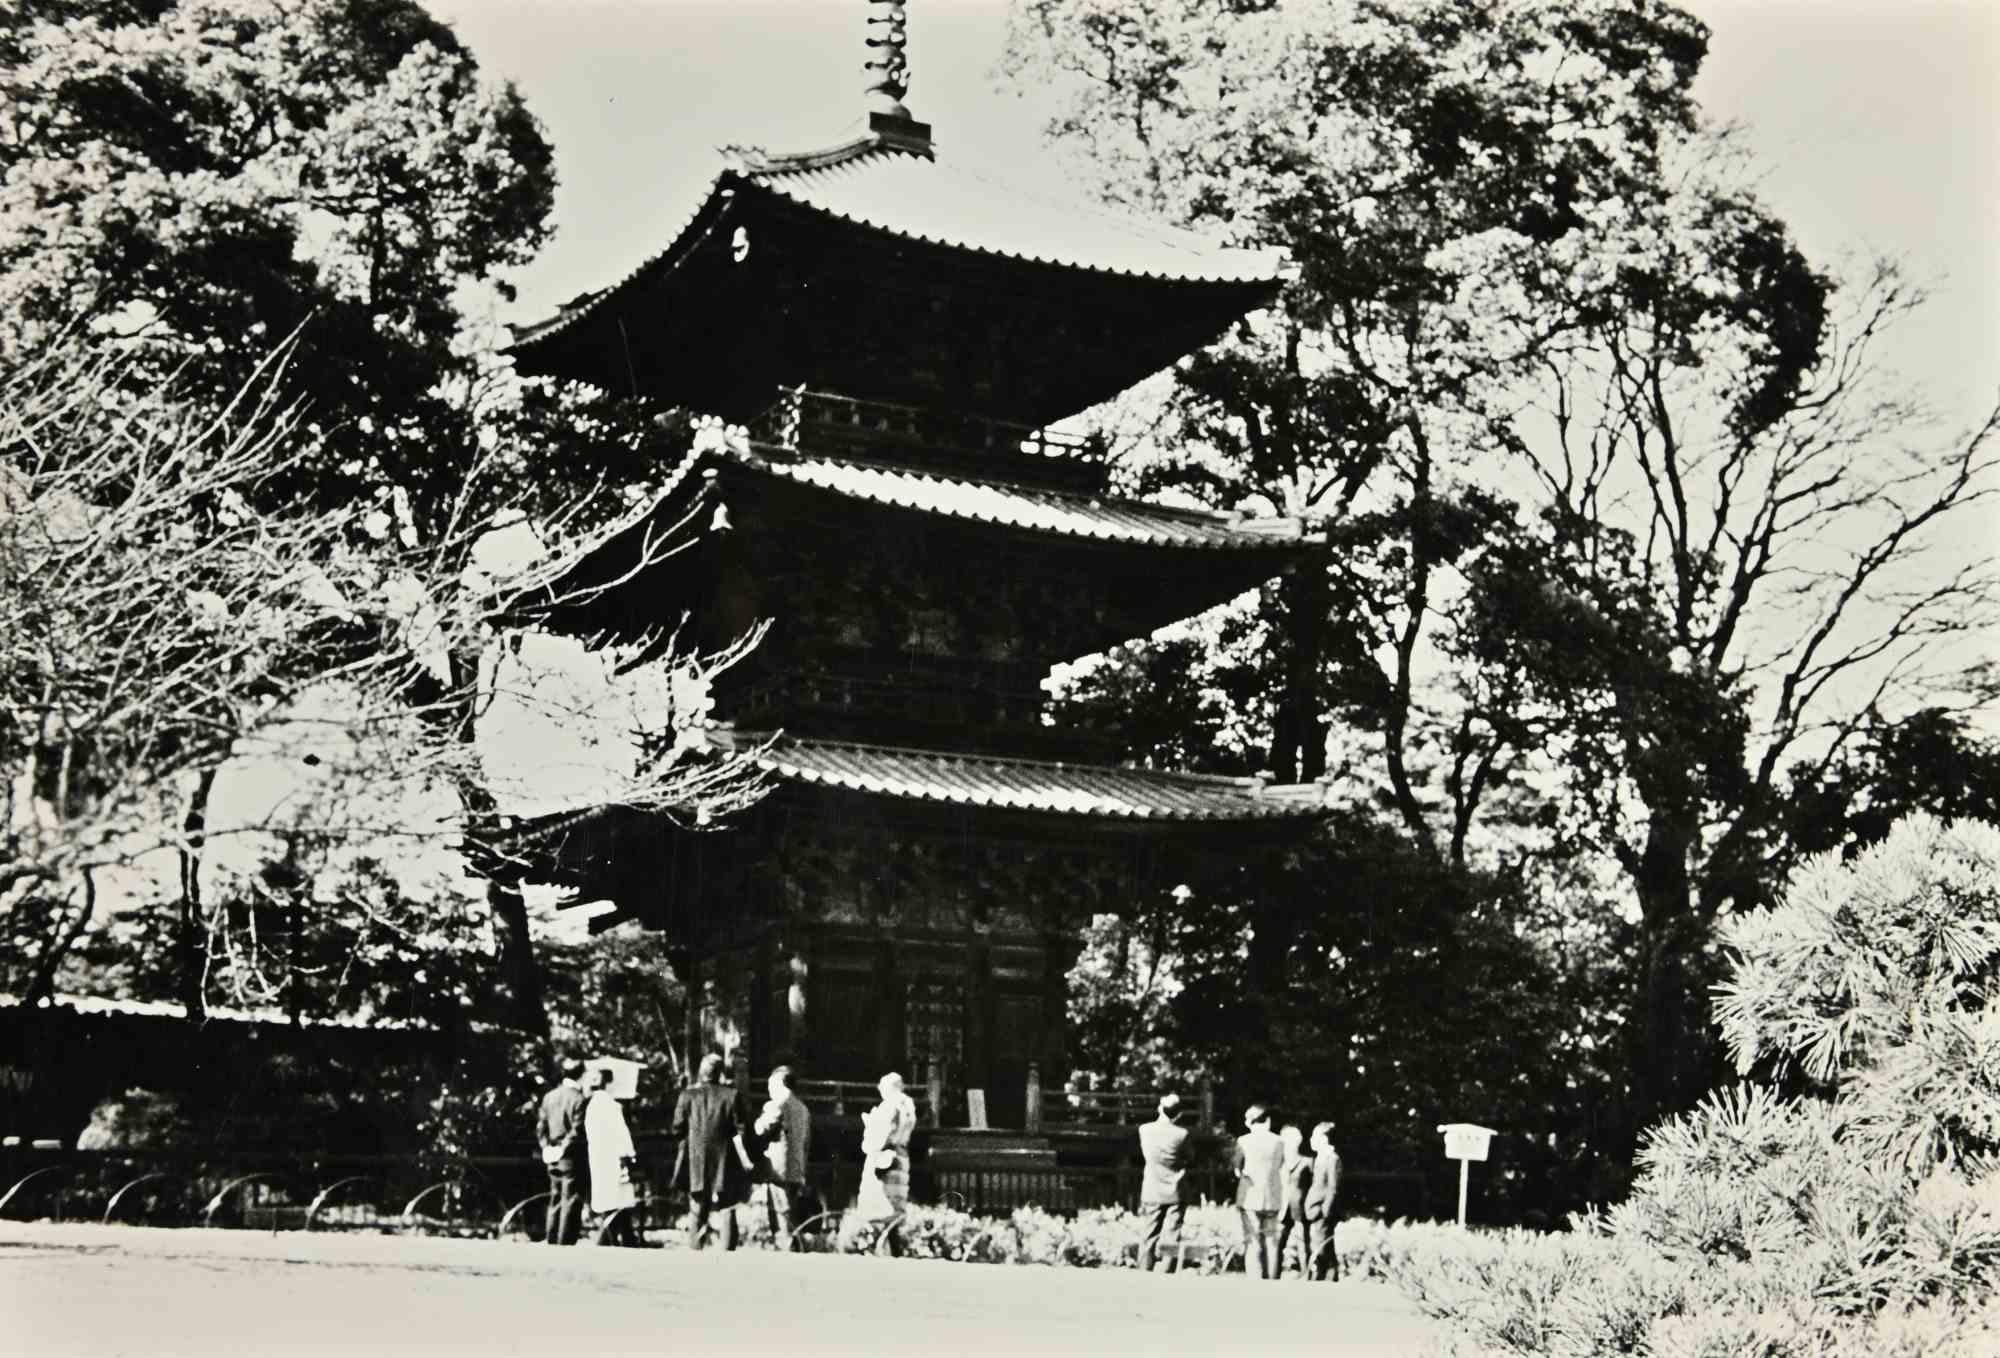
(1112, 792)
(879, 192)
(877, 182)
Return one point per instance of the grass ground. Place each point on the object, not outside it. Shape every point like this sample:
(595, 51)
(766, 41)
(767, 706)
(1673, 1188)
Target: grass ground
(92, 1290)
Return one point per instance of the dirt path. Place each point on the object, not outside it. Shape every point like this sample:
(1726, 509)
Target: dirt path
(76, 1290)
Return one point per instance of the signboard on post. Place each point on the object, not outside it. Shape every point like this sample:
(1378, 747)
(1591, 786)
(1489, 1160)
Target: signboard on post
(1465, 1142)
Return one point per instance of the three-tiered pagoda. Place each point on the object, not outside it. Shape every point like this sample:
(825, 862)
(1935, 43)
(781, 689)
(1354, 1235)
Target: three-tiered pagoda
(883, 338)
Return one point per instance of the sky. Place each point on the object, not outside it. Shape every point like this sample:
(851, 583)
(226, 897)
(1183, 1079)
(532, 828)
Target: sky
(1878, 122)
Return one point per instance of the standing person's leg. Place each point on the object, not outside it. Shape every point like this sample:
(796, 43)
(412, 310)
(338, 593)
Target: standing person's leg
(1253, 1258)
(572, 1212)
(1266, 1260)
(1178, 1212)
(552, 1210)
(1149, 1243)
(728, 1228)
(783, 1212)
(698, 1210)
(1284, 1241)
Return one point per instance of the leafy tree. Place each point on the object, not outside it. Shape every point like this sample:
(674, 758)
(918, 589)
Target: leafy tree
(194, 176)
(1430, 168)
(1120, 991)
(162, 613)
(1591, 438)
(1929, 761)
(195, 179)
(1400, 993)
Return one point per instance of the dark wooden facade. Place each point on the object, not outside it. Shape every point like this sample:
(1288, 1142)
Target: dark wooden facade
(911, 895)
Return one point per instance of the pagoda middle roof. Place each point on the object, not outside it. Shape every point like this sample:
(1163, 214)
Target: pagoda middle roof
(995, 782)
(1031, 509)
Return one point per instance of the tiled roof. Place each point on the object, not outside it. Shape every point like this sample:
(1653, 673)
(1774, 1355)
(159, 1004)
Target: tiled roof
(1029, 785)
(1032, 508)
(921, 199)
(917, 198)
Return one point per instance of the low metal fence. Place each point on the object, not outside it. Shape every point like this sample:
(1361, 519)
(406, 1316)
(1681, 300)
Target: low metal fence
(504, 1195)
(271, 1191)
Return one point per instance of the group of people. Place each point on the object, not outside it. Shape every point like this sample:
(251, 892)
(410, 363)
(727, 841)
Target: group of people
(723, 1158)
(1285, 1183)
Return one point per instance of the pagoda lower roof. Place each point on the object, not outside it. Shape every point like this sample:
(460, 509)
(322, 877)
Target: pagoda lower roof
(1033, 509)
(1111, 792)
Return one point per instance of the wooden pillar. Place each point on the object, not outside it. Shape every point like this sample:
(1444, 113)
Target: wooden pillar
(1059, 955)
(798, 966)
(689, 970)
(889, 1040)
(766, 1000)
(979, 1043)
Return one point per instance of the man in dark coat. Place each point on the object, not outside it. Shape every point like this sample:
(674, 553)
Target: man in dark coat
(1298, 1175)
(1320, 1216)
(1163, 1143)
(559, 1132)
(707, 1128)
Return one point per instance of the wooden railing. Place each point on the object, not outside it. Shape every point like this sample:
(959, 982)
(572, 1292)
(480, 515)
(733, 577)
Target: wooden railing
(851, 1098)
(826, 422)
(1112, 1107)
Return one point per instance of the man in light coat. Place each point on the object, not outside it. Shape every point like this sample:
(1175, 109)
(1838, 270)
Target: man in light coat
(1260, 1187)
(1163, 1144)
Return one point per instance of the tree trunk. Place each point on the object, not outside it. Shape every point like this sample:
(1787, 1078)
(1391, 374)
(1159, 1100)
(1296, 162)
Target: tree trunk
(1298, 739)
(520, 969)
(1255, 1051)
(1673, 1057)
(191, 942)
(42, 985)
(524, 999)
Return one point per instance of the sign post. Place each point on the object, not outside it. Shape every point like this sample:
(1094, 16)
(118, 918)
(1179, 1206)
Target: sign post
(1465, 1142)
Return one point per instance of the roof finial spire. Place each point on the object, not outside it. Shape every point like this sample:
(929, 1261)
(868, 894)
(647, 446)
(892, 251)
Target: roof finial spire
(889, 123)
(888, 59)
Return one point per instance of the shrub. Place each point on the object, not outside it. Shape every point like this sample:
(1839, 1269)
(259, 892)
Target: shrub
(1863, 1220)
